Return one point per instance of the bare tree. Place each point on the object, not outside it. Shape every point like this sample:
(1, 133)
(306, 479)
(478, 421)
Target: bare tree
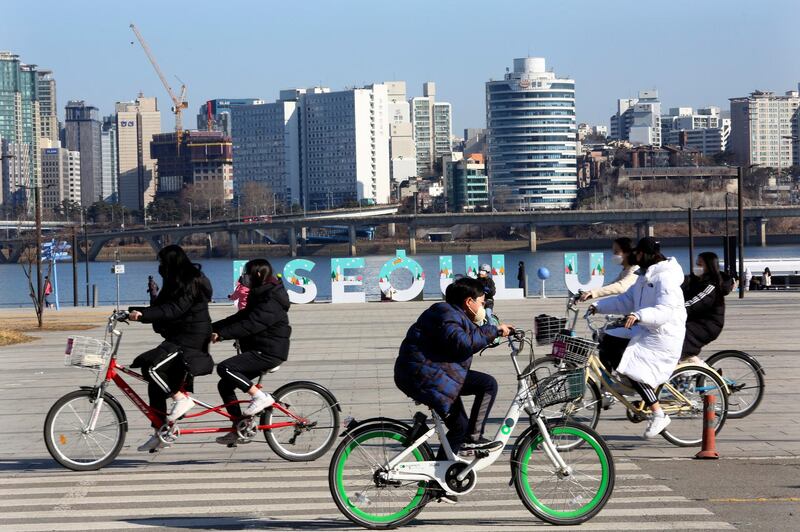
(28, 262)
(256, 199)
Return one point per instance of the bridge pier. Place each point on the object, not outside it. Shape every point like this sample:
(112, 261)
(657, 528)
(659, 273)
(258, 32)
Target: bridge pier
(412, 240)
(391, 229)
(15, 253)
(351, 230)
(209, 246)
(233, 237)
(644, 229)
(761, 231)
(532, 238)
(96, 247)
(293, 241)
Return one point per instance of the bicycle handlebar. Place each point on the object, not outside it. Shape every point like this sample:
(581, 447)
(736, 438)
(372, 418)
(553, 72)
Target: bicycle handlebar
(604, 321)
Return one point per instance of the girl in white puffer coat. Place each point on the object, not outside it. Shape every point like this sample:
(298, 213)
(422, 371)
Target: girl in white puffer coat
(648, 349)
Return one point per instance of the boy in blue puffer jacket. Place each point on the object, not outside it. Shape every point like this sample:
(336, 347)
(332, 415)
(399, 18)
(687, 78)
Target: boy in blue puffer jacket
(434, 364)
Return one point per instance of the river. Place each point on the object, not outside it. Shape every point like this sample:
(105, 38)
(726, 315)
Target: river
(133, 283)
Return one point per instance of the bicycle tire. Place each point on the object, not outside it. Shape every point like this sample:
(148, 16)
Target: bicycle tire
(593, 407)
(697, 411)
(390, 431)
(282, 442)
(594, 447)
(57, 444)
(755, 372)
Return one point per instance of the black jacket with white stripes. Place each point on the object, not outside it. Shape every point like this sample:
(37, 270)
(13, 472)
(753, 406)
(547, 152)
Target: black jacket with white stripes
(705, 312)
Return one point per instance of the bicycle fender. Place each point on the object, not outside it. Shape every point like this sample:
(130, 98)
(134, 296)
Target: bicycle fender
(318, 387)
(750, 358)
(108, 397)
(355, 425)
(530, 432)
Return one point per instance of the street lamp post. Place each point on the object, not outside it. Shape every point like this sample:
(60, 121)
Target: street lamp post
(190, 214)
(740, 207)
(86, 252)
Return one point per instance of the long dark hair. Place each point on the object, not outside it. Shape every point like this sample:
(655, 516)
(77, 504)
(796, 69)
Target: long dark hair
(259, 272)
(712, 273)
(625, 244)
(179, 273)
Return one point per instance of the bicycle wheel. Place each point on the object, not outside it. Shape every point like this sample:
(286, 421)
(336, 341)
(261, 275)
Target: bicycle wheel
(68, 439)
(565, 499)
(585, 410)
(682, 399)
(745, 380)
(359, 491)
(315, 420)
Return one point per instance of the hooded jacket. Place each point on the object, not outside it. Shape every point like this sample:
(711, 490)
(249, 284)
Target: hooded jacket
(182, 319)
(437, 353)
(262, 325)
(705, 313)
(656, 340)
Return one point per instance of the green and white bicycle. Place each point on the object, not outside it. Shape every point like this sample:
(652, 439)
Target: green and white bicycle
(384, 473)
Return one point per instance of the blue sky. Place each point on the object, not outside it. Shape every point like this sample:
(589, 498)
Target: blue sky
(696, 53)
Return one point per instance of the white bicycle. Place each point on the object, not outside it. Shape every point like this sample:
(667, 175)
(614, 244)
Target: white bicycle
(384, 472)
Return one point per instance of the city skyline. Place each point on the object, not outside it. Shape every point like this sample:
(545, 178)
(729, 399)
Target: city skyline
(341, 45)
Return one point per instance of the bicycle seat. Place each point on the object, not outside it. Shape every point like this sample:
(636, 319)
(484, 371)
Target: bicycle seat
(273, 370)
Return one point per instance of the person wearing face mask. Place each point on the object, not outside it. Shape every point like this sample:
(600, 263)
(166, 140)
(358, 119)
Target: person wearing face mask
(704, 292)
(263, 330)
(621, 249)
(647, 349)
(433, 366)
(180, 315)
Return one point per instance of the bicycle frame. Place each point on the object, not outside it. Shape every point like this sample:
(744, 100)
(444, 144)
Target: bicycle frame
(113, 373)
(395, 469)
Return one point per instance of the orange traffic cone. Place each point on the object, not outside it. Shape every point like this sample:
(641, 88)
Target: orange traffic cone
(709, 451)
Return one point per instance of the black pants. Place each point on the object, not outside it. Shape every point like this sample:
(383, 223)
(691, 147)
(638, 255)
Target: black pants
(166, 374)
(611, 349)
(237, 372)
(460, 428)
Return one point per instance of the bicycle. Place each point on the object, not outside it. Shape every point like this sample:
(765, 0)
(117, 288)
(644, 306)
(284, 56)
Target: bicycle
(85, 429)
(681, 397)
(383, 473)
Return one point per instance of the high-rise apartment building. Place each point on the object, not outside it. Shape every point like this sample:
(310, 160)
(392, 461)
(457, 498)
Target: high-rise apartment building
(137, 122)
(764, 129)
(61, 176)
(19, 127)
(530, 115)
(82, 134)
(48, 107)
(702, 129)
(108, 143)
(221, 113)
(204, 161)
(316, 147)
(638, 120)
(433, 128)
(402, 151)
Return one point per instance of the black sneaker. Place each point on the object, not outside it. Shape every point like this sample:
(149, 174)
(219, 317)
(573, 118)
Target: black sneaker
(439, 495)
(481, 444)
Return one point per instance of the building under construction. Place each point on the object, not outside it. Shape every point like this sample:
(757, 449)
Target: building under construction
(203, 159)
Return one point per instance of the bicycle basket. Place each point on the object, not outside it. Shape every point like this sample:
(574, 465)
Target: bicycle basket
(561, 387)
(86, 352)
(573, 349)
(548, 327)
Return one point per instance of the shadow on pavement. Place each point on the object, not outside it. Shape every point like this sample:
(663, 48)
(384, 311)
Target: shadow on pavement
(45, 464)
(243, 523)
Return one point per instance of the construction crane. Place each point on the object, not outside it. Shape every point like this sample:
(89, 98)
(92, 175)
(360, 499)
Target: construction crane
(179, 103)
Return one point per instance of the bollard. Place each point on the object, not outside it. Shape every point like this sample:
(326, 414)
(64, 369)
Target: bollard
(709, 451)
(95, 295)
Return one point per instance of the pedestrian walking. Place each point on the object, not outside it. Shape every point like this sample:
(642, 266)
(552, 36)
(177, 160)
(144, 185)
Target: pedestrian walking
(766, 279)
(48, 289)
(522, 278)
(152, 289)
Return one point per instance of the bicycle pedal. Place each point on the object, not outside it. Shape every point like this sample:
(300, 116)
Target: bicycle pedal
(482, 453)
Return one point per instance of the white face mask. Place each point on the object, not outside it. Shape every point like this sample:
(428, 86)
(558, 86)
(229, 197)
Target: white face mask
(478, 316)
(616, 259)
(698, 271)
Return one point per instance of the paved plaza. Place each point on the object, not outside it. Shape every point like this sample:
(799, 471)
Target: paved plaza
(350, 349)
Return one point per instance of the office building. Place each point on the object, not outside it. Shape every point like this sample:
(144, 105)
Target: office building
(219, 113)
(466, 184)
(764, 127)
(532, 153)
(402, 151)
(702, 129)
(204, 162)
(137, 122)
(16, 163)
(82, 134)
(48, 107)
(433, 128)
(638, 120)
(110, 176)
(61, 176)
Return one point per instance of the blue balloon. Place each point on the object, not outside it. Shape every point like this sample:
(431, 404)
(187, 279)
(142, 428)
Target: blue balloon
(543, 273)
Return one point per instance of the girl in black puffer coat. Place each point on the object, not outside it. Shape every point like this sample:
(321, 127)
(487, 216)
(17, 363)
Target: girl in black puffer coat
(263, 331)
(704, 292)
(180, 315)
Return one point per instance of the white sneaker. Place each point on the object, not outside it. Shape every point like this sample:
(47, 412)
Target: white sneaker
(258, 403)
(179, 408)
(656, 426)
(154, 443)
